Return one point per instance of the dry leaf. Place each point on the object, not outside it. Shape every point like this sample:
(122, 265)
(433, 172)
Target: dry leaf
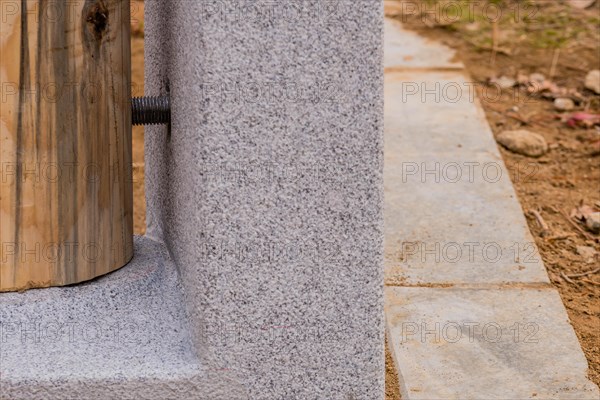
(583, 119)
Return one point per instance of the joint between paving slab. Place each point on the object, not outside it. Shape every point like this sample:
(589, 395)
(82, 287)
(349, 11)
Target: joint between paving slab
(478, 286)
(393, 69)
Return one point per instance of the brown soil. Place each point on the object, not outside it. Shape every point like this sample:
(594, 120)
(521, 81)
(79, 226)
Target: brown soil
(137, 78)
(570, 173)
(392, 388)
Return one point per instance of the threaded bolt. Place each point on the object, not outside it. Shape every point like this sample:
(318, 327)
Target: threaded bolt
(150, 110)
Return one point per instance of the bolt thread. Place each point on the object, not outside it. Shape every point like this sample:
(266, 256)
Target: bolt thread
(150, 110)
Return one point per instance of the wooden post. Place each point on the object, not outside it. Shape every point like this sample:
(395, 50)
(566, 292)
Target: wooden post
(65, 141)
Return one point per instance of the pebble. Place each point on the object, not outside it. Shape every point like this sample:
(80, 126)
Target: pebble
(537, 78)
(523, 142)
(505, 82)
(586, 252)
(592, 81)
(564, 104)
(592, 222)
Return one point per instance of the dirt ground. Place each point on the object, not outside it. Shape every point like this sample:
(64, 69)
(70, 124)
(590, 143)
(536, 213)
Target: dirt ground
(137, 82)
(561, 42)
(553, 39)
(392, 388)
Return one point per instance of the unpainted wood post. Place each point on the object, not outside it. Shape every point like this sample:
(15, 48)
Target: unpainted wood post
(65, 141)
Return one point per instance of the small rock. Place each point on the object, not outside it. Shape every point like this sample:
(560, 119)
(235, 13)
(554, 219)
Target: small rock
(588, 253)
(581, 4)
(592, 81)
(504, 82)
(523, 142)
(537, 78)
(564, 104)
(592, 222)
(537, 83)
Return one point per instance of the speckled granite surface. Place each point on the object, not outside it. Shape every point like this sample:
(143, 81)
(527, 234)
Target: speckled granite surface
(121, 336)
(268, 188)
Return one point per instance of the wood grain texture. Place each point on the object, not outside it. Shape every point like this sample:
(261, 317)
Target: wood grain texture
(66, 203)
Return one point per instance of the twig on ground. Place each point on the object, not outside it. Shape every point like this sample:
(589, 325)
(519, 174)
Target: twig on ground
(552, 208)
(590, 282)
(518, 117)
(573, 67)
(494, 43)
(561, 237)
(508, 113)
(541, 222)
(584, 273)
(579, 229)
(554, 62)
(566, 278)
(515, 115)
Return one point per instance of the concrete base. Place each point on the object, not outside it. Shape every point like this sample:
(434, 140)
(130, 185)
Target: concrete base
(121, 336)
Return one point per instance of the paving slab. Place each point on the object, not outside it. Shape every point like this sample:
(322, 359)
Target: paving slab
(470, 312)
(485, 344)
(406, 49)
(434, 112)
(452, 215)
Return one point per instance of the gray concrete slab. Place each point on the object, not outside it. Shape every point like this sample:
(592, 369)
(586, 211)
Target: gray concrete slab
(452, 215)
(434, 112)
(409, 50)
(485, 344)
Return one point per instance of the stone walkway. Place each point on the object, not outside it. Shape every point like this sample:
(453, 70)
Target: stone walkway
(470, 311)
